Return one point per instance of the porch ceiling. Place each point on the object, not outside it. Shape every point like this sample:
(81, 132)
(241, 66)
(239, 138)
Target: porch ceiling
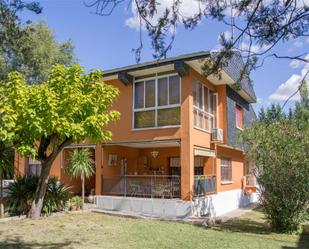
(168, 143)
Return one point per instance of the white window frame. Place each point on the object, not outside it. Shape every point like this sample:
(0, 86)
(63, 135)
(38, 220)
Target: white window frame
(203, 111)
(156, 107)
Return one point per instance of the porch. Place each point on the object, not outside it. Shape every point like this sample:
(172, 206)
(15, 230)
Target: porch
(152, 169)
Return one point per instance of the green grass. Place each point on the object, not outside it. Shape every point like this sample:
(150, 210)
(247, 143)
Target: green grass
(101, 231)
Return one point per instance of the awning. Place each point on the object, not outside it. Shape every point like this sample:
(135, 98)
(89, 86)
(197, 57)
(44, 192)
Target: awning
(199, 151)
(162, 143)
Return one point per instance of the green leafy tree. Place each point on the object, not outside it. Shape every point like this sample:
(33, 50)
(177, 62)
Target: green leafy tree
(34, 53)
(81, 165)
(6, 169)
(279, 146)
(40, 120)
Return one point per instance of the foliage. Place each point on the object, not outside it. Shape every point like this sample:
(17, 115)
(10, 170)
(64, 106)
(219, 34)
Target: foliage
(22, 191)
(6, 161)
(279, 146)
(70, 105)
(256, 26)
(41, 119)
(81, 164)
(34, 53)
(20, 194)
(75, 201)
(57, 196)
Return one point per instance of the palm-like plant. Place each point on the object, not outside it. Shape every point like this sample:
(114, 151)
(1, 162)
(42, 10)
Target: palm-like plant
(6, 169)
(81, 165)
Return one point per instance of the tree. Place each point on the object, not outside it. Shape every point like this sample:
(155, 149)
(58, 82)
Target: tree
(81, 165)
(256, 26)
(279, 146)
(40, 120)
(34, 53)
(6, 169)
(11, 29)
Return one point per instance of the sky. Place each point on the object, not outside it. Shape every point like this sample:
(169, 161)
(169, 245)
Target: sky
(106, 42)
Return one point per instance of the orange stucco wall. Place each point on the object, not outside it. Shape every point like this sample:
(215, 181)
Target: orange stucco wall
(189, 137)
(238, 168)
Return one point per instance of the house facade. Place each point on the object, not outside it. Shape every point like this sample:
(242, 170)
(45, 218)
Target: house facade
(175, 146)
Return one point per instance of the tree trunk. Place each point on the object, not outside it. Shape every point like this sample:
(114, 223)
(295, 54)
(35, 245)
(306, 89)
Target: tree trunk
(37, 203)
(1, 198)
(83, 191)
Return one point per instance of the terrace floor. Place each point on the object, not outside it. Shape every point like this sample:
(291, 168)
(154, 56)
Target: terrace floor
(91, 230)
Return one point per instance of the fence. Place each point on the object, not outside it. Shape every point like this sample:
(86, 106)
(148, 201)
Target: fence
(204, 184)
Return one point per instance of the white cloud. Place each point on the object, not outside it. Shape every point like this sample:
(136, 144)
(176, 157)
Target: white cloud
(188, 8)
(254, 48)
(227, 35)
(296, 64)
(285, 90)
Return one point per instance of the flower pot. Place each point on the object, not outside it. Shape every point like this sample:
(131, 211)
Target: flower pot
(73, 208)
(90, 198)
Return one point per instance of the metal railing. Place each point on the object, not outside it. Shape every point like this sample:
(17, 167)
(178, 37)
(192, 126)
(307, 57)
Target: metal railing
(149, 186)
(204, 185)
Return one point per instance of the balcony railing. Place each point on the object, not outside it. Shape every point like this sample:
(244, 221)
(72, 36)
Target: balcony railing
(148, 186)
(204, 185)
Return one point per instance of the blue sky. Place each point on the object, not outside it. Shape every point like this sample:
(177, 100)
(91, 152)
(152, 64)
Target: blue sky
(107, 42)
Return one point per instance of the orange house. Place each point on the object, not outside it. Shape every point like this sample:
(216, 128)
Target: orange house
(174, 151)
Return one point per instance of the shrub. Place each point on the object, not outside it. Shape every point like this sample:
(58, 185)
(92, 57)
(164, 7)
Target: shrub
(21, 194)
(279, 148)
(57, 196)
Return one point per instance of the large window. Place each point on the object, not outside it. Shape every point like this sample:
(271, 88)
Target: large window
(205, 107)
(157, 102)
(226, 170)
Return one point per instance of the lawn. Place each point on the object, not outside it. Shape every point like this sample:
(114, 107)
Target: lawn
(91, 230)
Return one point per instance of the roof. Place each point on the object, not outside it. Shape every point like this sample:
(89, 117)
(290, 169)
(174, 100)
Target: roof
(231, 71)
(161, 62)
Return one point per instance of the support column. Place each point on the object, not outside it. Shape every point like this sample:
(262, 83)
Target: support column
(98, 169)
(186, 150)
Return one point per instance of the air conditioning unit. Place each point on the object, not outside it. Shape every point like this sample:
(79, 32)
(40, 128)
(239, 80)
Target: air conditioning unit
(217, 135)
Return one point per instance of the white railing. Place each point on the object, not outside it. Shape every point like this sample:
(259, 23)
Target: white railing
(203, 120)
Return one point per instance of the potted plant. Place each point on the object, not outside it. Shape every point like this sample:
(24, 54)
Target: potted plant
(75, 203)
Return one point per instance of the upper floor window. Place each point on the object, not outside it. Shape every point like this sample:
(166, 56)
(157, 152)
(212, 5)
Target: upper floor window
(205, 107)
(239, 116)
(157, 102)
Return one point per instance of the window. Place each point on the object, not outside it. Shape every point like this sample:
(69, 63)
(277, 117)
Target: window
(239, 116)
(198, 165)
(226, 170)
(175, 169)
(157, 102)
(205, 103)
(33, 167)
